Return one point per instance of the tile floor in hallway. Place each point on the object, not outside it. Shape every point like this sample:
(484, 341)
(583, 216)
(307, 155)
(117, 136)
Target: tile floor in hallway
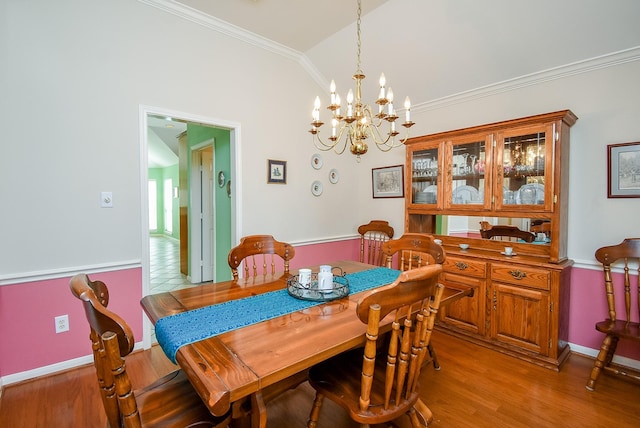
(165, 265)
(164, 268)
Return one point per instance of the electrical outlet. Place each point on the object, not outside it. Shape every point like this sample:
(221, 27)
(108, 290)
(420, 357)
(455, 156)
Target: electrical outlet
(62, 323)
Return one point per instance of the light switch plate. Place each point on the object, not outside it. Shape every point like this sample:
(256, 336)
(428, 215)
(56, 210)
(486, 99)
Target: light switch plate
(106, 200)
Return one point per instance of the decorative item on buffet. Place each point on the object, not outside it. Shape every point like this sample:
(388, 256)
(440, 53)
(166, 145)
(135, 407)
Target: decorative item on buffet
(425, 167)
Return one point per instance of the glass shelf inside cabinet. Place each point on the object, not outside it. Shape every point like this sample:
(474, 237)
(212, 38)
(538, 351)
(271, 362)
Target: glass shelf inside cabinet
(424, 180)
(468, 169)
(523, 167)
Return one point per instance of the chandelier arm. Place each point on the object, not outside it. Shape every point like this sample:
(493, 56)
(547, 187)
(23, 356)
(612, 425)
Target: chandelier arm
(335, 146)
(326, 147)
(377, 137)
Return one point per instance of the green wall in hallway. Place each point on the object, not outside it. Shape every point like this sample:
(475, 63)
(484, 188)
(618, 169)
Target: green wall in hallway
(197, 134)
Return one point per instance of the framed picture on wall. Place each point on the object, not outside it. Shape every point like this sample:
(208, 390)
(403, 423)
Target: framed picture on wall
(276, 171)
(623, 170)
(388, 182)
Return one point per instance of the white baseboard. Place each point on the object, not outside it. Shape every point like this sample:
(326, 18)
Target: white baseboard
(51, 369)
(623, 361)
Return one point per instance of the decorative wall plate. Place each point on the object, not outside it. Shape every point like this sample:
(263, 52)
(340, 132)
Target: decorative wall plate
(316, 188)
(316, 161)
(334, 176)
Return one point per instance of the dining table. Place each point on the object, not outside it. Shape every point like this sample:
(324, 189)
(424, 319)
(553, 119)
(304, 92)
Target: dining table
(232, 367)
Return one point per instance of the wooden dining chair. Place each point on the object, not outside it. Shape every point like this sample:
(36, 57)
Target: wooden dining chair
(171, 401)
(504, 233)
(260, 254)
(410, 251)
(379, 387)
(541, 226)
(372, 236)
(615, 327)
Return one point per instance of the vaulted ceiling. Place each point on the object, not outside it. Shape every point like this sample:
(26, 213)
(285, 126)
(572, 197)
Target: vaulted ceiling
(432, 49)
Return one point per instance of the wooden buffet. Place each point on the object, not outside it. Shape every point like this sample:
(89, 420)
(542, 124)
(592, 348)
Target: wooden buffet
(512, 173)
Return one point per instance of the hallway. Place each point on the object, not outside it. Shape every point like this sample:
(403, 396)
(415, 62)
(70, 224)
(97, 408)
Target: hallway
(164, 269)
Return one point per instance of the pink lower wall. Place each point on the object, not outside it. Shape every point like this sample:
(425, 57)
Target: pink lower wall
(588, 306)
(28, 340)
(317, 254)
(27, 331)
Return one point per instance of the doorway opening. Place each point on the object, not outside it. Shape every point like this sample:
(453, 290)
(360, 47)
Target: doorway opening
(203, 214)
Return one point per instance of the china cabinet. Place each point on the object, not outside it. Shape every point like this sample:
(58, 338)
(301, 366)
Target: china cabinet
(513, 174)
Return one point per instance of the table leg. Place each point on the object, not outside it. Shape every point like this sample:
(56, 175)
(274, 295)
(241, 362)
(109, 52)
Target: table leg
(258, 411)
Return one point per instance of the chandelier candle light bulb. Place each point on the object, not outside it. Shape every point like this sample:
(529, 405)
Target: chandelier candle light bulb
(407, 106)
(360, 124)
(383, 81)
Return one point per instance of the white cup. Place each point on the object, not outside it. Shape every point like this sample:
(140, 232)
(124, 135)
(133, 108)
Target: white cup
(508, 250)
(542, 237)
(325, 281)
(325, 268)
(304, 277)
(438, 241)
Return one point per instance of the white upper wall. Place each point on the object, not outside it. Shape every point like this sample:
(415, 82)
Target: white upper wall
(437, 48)
(75, 74)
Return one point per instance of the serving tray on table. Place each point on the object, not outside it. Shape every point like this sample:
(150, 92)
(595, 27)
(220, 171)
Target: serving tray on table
(311, 292)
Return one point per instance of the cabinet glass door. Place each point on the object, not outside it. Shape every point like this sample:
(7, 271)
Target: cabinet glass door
(467, 162)
(424, 176)
(524, 163)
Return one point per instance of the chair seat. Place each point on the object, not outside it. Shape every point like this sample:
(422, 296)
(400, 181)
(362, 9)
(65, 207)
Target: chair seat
(339, 379)
(621, 328)
(171, 401)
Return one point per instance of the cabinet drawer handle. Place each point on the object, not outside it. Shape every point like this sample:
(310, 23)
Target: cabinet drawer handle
(518, 274)
(461, 265)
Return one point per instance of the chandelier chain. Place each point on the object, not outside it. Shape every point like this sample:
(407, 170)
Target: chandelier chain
(359, 35)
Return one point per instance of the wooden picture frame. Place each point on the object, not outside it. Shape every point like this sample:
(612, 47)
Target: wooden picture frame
(388, 182)
(623, 170)
(276, 171)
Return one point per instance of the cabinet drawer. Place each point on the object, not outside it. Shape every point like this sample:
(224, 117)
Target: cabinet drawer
(465, 266)
(521, 275)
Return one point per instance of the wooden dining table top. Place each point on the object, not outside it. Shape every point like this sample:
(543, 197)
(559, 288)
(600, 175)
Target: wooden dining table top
(235, 364)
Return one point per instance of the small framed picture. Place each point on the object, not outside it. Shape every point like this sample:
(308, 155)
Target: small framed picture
(388, 182)
(623, 170)
(276, 171)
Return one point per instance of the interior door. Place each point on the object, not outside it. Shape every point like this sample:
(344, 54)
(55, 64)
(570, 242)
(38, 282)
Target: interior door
(207, 238)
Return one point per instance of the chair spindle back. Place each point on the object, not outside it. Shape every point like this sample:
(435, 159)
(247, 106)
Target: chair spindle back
(260, 254)
(412, 250)
(372, 237)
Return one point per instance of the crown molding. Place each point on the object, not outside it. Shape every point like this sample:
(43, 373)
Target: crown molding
(579, 67)
(223, 27)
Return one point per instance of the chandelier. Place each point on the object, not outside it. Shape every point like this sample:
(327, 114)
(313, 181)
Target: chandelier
(359, 122)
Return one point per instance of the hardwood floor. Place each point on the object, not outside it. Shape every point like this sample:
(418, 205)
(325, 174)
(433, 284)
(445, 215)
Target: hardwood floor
(476, 387)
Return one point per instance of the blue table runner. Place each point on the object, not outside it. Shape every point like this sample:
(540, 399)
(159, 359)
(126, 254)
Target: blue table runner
(192, 326)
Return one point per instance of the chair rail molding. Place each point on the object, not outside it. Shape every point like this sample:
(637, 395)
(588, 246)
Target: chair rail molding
(66, 272)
